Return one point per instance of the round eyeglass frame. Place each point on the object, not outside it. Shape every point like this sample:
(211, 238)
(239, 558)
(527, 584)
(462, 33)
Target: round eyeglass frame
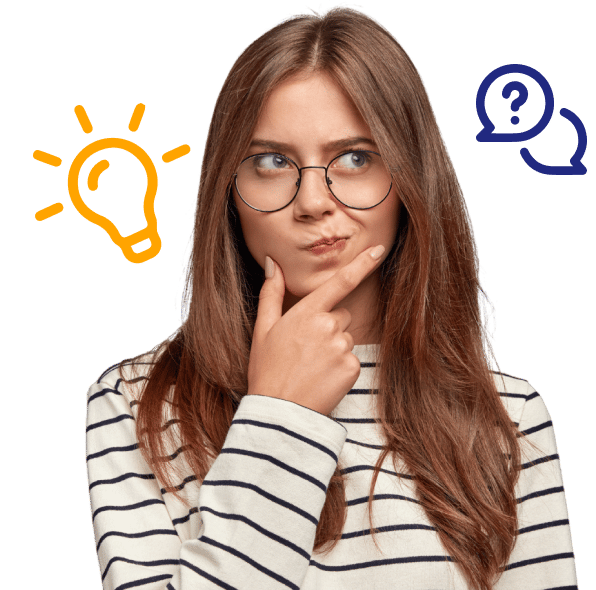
(328, 181)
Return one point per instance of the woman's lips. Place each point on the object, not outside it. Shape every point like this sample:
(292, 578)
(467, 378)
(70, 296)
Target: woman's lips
(337, 246)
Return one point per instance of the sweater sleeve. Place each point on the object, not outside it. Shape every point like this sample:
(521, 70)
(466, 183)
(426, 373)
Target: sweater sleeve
(542, 557)
(259, 504)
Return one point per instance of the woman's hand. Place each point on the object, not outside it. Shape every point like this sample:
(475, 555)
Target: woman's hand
(305, 355)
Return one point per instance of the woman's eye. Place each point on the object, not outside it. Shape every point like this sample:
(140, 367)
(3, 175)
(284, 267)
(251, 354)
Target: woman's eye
(271, 162)
(352, 160)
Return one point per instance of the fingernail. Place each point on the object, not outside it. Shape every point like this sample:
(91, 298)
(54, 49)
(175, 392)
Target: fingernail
(376, 252)
(269, 268)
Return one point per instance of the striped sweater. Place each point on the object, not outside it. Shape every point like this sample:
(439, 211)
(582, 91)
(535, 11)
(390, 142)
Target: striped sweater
(253, 519)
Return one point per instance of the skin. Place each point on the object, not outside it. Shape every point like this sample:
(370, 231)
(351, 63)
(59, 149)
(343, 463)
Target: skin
(306, 113)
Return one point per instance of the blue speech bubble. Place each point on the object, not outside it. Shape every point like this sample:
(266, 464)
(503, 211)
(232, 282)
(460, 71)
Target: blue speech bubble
(488, 127)
(487, 134)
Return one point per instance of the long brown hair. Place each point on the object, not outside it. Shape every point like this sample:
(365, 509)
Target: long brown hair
(439, 409)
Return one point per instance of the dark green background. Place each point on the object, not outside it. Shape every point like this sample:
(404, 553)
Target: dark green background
(73, 305)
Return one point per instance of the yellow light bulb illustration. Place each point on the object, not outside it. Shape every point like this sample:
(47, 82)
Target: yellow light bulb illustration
(124, 243)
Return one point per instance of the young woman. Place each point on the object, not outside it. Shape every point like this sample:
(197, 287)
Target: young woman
(326, 417)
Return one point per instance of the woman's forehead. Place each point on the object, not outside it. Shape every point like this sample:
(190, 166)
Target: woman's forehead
(311, 112)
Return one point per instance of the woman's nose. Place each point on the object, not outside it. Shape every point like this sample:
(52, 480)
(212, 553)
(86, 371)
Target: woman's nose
(314, 196)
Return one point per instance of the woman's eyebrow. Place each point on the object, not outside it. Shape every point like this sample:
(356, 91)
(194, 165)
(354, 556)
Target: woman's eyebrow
(337, 144)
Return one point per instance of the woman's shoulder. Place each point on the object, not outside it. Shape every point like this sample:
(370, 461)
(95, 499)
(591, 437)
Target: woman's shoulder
(511, 386)
(514, 392)
(129, 376)
(525, 404)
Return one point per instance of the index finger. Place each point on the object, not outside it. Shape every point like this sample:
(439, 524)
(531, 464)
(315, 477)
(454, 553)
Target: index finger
(344, 281)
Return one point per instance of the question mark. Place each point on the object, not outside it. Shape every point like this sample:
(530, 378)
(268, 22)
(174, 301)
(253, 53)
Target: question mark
(519, 100)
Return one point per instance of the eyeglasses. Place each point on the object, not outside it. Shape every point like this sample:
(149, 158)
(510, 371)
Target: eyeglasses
(269, 182)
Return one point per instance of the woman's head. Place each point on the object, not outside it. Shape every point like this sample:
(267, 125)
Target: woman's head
(305, 82)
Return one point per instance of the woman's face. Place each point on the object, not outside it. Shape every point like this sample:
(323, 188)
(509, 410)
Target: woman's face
(306, 114)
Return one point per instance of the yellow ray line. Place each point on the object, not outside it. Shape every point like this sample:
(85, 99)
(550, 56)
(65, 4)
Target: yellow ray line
(83, 119)
(49, 211)
(47, 158)
(137, 115)
(176, 153)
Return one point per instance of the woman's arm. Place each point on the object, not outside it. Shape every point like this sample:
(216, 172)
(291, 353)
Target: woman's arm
(259, 503)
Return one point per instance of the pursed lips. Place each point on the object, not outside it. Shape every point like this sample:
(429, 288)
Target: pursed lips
(326, 241)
